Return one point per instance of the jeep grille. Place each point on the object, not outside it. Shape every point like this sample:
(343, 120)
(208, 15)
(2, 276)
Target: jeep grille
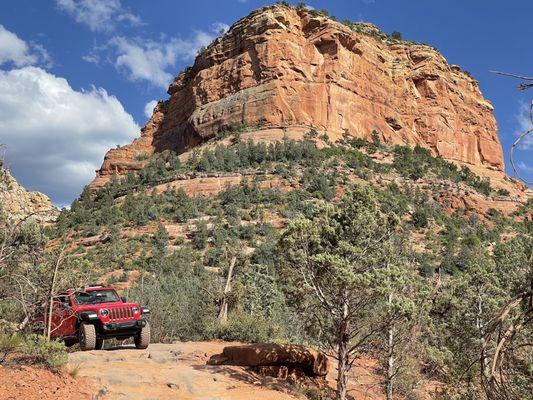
(120, 313)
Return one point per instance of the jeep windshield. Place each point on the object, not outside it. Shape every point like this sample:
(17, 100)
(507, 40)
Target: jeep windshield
(96, 297)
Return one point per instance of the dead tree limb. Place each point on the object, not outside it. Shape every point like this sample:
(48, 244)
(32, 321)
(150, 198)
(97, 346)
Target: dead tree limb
(52, 293)
(522, 86)
(223, 312)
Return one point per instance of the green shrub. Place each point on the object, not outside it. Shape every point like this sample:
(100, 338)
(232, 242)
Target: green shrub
(396, 35)
(180, 299)
(503, 192)
(315, 393)
(51, 354)
(201, 235)
(420, 218)
(143, 155)
(244, 327)
(9, 343)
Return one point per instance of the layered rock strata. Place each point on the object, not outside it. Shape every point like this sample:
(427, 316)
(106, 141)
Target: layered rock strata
(292, 69)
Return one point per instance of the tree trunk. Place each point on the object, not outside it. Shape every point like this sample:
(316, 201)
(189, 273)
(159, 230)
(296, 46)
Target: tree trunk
(52, 291)
(223, 312)
(342, 355)
(390, 358)
(481, 329)
(390, 364)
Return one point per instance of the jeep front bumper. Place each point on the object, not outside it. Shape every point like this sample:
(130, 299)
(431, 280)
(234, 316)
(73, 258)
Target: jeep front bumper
(113, 327)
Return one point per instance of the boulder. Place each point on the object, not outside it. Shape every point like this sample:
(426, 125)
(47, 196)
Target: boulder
(310, 361)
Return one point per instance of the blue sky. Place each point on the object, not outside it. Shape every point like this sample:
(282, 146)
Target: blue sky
(76, 75)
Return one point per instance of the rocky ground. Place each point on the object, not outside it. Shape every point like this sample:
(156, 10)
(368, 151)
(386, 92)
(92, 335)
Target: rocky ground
(179, 371)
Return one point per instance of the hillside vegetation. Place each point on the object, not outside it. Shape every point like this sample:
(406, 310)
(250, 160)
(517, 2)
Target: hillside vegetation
(450, 272)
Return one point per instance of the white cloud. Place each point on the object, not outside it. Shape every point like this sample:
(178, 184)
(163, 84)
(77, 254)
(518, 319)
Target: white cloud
(16, 51)
(149, 60)
(523, 119)
(525, 167)
(56, 136)
(149, 108)
(99, 15)
(92, 58)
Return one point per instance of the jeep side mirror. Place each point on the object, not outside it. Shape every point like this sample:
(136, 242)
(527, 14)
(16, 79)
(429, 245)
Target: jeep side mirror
(123, 299)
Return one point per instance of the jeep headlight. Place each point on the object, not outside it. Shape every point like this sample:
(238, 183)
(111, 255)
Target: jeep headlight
(135, 310)
(104, 312)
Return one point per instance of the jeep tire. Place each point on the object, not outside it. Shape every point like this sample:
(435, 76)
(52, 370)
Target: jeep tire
(142, 339)
(87, 337)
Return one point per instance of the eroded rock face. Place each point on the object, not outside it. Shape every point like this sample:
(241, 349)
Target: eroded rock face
(17, 203)
(287, 68)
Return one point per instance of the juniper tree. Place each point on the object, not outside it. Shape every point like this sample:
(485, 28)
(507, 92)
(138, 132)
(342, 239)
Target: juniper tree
(342, 263)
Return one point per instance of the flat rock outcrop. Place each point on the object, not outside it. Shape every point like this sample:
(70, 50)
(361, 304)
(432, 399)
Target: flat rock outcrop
(171, 371)
(293, 69)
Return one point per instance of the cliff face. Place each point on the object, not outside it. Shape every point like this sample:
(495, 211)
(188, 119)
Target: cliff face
(279, 67)
(17, 203)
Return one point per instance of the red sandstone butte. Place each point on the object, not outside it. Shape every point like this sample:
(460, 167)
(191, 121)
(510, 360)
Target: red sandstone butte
(282, 67)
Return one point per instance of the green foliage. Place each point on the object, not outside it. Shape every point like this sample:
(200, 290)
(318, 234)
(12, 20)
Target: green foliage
(350, 270)
(160, 240)
(420, 218)
(51, 354)
(503, 192)
(416, 162)
(9, 343)
(242, 326)
(376, 138)
(252, 155)
(143, 155)
(201, 235)
(180, 298)
(35, 349)
(396, 35)
(351, 244)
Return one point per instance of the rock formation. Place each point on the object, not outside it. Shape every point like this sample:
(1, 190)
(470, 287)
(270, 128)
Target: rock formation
(17, 203)
(288, 68)
(311, 362)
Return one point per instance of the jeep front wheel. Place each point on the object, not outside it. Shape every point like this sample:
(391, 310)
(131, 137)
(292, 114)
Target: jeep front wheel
(142, 339)
(87, 336)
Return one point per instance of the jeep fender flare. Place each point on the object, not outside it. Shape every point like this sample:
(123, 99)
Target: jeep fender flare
(88, 316)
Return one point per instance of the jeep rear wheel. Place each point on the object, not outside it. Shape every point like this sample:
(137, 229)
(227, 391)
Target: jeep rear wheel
(87, 336)
(142, 339)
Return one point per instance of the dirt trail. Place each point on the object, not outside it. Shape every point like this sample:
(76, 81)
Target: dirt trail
(171, 371)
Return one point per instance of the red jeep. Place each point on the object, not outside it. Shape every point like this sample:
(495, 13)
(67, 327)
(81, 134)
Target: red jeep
(96, 313)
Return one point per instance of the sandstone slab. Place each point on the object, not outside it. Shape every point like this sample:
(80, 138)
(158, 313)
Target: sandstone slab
(310, 361)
